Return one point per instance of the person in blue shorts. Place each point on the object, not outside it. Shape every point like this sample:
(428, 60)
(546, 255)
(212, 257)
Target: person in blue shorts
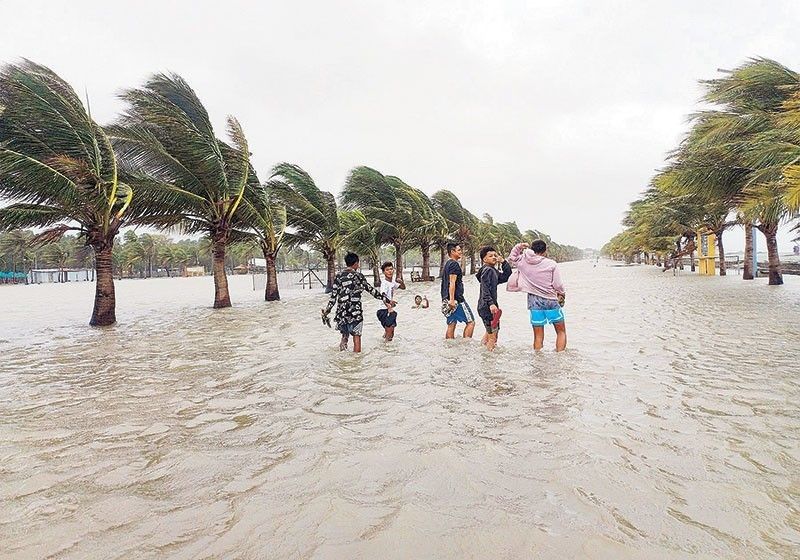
(454, 306)
(540, 278)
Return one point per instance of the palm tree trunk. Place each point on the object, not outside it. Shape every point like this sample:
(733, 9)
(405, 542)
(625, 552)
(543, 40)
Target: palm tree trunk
(222, 297)
(105, 302)
(471, 262)
(376, 272)
(721, 251)
(691, 261)
(770, 231)
(441, 262)
(331, 258)
(747, 271)
(271, 292)
(398, 257)
(426, 261)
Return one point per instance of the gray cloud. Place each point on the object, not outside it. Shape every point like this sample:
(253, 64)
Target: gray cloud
(553, 114)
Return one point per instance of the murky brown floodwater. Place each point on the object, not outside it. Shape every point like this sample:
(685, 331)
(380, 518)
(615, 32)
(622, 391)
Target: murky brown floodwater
(670, 429)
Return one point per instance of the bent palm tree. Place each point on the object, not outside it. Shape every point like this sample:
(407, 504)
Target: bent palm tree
(395, 208)
(362, 237)
(186, 176)
(58, 167)
(263, 218)
(311, 213)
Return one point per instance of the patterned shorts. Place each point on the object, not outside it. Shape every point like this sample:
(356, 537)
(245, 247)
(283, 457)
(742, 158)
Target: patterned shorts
(352, 329)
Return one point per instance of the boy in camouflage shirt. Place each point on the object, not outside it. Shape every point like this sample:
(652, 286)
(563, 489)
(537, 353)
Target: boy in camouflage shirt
(347, 288)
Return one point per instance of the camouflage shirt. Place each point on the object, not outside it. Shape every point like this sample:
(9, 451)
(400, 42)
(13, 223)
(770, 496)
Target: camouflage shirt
(347, 288)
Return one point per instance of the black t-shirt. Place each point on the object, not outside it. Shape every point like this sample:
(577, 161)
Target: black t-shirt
(452, 267)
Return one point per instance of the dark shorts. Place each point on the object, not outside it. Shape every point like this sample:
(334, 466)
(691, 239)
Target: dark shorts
(353, 329)
(486, 317)
(386, 318)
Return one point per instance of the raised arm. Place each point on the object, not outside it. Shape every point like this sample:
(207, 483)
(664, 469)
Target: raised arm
(505, 274)
(516, 253)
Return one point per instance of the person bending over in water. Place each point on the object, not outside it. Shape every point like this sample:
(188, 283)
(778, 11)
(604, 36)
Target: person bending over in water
(454, 306)
(347, 288)
(420, 302)
(488, 308)
(539, 277)
(388, 316)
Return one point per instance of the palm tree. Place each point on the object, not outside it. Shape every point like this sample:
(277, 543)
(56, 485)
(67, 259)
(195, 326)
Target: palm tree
(432, 229)
(59, 253)
(395, 208)
(264, 218)
(188, 177)
(362, 237)
(766, 207)
(59, 168)
(760, 99)
(460, 223)
(311, 213)
(20, 246)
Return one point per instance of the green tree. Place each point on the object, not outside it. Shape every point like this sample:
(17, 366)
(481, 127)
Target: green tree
(396, 209)
(59, 169)
(362, 237)
(312, 214)
(188, 178)
(264, 220)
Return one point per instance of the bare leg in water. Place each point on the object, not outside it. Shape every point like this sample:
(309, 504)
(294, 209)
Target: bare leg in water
(469, 329)
(561, 337)
(343, 343)
(538, 338)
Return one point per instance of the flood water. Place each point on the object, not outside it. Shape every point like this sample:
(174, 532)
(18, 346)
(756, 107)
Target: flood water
(669, 429)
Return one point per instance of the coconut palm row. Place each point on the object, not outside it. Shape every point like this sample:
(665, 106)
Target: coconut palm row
(739, 164)
(161, 165)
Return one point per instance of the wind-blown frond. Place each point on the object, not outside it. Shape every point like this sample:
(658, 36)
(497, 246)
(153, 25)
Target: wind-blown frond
(24, 216)
(53, 155)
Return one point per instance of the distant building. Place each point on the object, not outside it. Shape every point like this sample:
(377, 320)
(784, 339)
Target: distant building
(195, 271)
(55, 275)
(257, 265)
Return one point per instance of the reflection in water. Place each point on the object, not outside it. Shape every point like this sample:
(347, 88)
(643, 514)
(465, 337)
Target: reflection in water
(668, 430)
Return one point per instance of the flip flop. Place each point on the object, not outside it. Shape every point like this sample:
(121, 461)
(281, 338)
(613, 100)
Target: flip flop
(496, 318)
(326, 320)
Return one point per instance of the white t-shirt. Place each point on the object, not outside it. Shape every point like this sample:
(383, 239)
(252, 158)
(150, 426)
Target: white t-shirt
(388, 287)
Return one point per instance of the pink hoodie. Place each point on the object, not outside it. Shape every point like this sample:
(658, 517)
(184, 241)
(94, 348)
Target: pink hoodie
(537, 274)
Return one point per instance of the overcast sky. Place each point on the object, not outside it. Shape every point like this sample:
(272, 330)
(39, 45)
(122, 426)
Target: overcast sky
(554, 114)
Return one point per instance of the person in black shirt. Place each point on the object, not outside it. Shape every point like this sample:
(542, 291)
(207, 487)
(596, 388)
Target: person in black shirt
(347, 288)
(454, 307)
(488, 307)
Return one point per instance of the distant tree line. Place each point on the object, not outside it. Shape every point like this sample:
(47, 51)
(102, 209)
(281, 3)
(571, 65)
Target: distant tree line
(739, 164)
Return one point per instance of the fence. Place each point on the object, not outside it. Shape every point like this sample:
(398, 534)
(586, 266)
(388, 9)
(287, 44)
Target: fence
(9, 277)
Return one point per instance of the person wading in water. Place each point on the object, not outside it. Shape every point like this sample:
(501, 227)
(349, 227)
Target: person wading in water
(539, 277)
(347, 288)
(454, 307)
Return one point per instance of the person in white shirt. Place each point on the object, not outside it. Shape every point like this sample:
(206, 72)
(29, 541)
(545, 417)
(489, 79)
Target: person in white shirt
(388, 316)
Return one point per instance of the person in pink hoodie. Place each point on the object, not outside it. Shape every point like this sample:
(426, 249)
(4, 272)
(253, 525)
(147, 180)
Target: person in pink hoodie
(539, 277)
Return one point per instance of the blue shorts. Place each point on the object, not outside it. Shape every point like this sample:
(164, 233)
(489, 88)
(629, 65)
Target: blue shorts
(461, 314)
(544, 311)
